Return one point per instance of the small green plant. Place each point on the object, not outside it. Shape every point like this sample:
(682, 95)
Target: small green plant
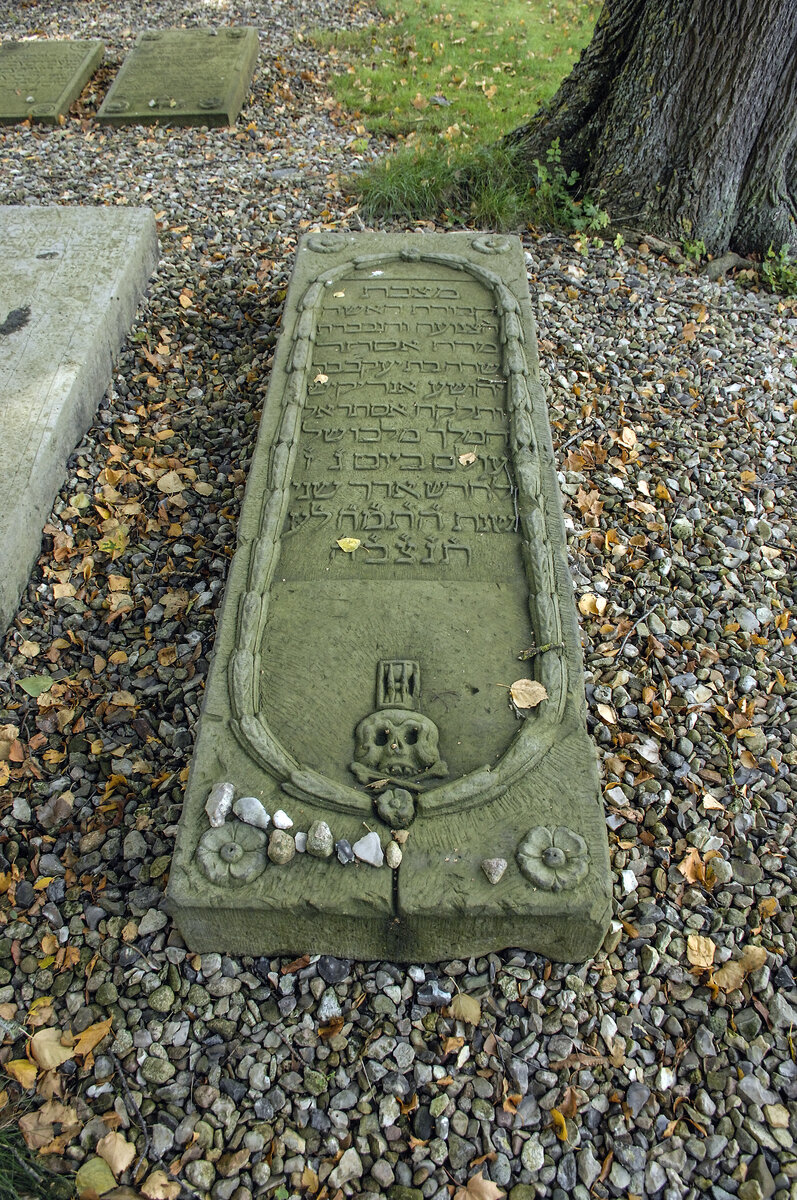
(618, 242)
(552, 197)
(780, 271)
(694, 251)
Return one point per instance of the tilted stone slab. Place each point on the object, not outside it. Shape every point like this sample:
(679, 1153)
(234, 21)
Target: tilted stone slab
(401, 548)
(40, 79)
(183, 77)
(69, 287)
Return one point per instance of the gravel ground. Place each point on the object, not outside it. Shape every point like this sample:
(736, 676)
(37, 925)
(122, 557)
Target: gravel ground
(665, 1067)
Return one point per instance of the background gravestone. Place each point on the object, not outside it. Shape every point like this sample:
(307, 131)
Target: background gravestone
(183, 77)
(40, 79)
(401, 548)
(69, 288)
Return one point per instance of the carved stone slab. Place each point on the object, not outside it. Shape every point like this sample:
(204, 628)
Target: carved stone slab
(183, 77)
(69, 287)
(401, 548)
(40, 79)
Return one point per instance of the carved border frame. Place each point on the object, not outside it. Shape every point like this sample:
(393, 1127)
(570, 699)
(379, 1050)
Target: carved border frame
(537, 732)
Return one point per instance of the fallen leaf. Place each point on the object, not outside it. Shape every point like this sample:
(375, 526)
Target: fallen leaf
(729, 976)
(117, 1152)
(29, 649)
(321, 378)
(592, 606)
(700, 950)
(692, 867)
(607, 714)
(94, 1178)
(310, 1180)
(527, 693)
(479, 1188)
(53, 1121)
(753, 958)
(91, 1037)
(348, 545)
(23, 1071)
(48, 1050)
(158, 1186)
(466, 1008)
(559, 1124)
(35, 685)
(420, 102)
(467, 459)
(569, 1104)
(170, 483)
(452, 1044)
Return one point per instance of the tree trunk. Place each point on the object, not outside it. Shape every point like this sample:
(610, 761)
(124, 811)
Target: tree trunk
(681, 118)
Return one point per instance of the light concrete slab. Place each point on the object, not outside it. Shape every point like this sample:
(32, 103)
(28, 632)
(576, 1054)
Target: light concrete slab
(70, 284)
(401, 565)
(183, 77)
(40, 79)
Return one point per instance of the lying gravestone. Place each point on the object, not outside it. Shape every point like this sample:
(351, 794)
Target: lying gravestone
(70, 284)
(183, 77)
(40, 79)
(392, 760)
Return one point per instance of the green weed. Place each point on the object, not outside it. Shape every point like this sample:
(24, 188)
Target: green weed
(694, 251)
(780, 271)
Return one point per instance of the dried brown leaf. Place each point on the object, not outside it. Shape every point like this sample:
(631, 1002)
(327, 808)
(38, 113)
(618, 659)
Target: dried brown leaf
(48, 1050)
(700, 950)
(527, 693)
(117, 1152)
(466, 1008)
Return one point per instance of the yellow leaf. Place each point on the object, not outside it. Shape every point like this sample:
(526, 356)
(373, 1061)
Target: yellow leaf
(40, 1011)
(420, 102)
(119, 583)
(321, 378)
(117, 1152)
(348, 545)
(185, 301)
(94, 1178)
(700, 950)
(23, 1071)
(310, 1180)
(592, 606)
(607, 714)
(527, 693)
(628, 437)
(158, 1186)
(467, 459)
(466, 1008)
(91, 1037)
(48, 1049)
(559, 1124)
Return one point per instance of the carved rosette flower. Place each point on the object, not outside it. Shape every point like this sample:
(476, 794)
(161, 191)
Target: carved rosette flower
(232, 854)
(553, 859)
(490, 243)
(396, 807)
(325, 243)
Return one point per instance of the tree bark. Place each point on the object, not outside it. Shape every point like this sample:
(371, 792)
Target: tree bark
(681, 118)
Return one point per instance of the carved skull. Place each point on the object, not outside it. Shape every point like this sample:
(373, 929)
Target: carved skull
(395, 743)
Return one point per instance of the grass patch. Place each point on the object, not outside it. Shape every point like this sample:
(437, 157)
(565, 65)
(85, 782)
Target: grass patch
(24, 1175)
(456, 72)
(448, 84)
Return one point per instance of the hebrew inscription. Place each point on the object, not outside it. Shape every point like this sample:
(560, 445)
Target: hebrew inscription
(402, 526)
(404, 440)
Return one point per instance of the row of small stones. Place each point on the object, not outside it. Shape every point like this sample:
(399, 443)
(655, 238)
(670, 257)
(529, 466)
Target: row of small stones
(318, 841)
